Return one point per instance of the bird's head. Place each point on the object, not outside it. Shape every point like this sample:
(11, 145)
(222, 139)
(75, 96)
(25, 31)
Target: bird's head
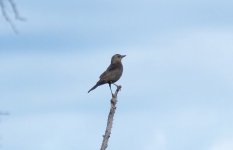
(117, 58)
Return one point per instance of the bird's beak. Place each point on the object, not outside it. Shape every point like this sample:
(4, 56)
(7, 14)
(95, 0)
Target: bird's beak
(122, 56)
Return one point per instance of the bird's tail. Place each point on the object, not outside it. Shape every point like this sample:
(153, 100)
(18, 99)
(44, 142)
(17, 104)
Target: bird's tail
(93, 87)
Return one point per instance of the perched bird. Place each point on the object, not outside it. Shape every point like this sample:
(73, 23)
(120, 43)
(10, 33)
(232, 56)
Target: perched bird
(112, 74)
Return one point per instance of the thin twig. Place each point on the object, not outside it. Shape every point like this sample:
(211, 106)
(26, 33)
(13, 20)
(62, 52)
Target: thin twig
(108, 129)
(15, 12)
(7, 18)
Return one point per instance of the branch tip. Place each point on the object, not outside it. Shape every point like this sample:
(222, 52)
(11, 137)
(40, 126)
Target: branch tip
(108, 129)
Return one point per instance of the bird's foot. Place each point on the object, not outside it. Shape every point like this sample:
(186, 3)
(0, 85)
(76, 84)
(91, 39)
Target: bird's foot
(118, 86)
(115, 84)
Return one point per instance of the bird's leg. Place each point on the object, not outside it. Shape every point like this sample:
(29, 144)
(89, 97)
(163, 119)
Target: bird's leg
(110, 87)
(116, 85)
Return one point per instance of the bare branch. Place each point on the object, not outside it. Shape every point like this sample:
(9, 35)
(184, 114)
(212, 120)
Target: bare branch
(15, 10)
(108, 129)
(7, 18)
(15, 13)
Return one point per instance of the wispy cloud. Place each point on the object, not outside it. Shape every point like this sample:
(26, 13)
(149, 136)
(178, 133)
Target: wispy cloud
(51, 130)
(223, 144)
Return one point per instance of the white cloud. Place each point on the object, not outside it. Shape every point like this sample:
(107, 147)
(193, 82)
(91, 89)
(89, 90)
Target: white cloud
(223, 144)
(157, 141)
(51, 131)
(175, 54)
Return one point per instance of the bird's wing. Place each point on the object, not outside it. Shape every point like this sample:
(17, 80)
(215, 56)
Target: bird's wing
(110, 68)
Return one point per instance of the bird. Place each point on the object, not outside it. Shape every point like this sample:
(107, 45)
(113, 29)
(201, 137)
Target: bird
(112, 73)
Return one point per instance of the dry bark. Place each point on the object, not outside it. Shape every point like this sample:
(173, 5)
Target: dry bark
(108, 129)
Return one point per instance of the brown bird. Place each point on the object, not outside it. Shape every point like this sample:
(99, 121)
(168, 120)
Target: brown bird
(112, 74)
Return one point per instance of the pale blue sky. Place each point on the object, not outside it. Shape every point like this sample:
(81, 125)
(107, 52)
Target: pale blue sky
(177, 83)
